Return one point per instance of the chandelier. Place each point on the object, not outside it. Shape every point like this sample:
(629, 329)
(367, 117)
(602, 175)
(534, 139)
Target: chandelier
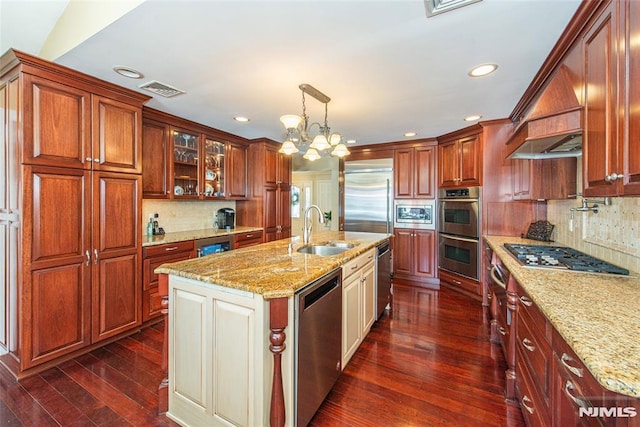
(299, 130)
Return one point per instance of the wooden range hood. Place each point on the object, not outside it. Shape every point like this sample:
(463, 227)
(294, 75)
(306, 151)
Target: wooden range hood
(553, 128)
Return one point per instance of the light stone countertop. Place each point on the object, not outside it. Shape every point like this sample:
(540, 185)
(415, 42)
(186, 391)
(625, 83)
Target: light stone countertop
(598, 315)
(268, 269)
(181, 236)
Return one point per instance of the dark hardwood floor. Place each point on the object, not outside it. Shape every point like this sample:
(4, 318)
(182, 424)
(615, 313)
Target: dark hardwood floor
(428, 363)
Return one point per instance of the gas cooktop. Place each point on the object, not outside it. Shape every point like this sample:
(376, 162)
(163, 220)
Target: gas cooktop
(560, 257)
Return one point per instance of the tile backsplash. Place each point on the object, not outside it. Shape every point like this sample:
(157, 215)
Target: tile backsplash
(183, 215)
(612, 234)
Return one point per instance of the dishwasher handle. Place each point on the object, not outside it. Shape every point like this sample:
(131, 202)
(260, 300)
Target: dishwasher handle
(315, 295)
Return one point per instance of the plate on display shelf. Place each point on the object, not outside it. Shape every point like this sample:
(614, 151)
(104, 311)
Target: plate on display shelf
(178, 191)
(210, 175)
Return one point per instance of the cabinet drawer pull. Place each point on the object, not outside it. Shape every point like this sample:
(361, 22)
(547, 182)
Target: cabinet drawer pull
(526, 301)
(355, 267)
(89, 159)
(88, 255)
(495, 277)
(526, 399)
(172, 248)
(248, 236)
(502, 330)
(456, 282)
(565, 359)
(568, 388)
(96, 160)
(95, 256)
(526, 343)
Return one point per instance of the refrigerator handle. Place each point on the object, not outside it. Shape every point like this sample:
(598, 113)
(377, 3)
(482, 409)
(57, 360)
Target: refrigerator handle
(388, 207)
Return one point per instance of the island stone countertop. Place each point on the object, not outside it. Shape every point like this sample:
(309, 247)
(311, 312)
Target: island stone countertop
(598, 315)
(181, 236)
(269, 269)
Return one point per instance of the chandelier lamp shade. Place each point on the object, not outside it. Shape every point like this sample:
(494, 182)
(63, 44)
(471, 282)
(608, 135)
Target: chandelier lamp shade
(299, 131)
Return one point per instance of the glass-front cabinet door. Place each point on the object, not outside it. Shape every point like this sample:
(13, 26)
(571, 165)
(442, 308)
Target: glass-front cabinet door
(185, 164)
(214, 152)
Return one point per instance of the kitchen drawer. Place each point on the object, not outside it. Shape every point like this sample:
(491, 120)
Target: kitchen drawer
(149, 278)
(537, 321)
(242, 240)
(535, 409)
(357, 263)
(151, 304)
(535, 352)
(158, 250)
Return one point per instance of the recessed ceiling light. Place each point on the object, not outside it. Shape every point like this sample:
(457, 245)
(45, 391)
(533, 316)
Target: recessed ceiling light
(409, 134)
(128, 72)
(482, 70)
(472, 118)
(241, 119)
(351, 141)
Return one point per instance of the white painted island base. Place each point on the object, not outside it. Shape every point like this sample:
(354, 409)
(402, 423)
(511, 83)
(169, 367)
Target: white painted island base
(220, 366)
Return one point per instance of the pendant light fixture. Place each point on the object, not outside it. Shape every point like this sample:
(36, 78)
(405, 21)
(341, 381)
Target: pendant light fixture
(298, 130)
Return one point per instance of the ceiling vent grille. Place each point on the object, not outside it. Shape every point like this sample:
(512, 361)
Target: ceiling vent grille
(435, 7)
(161, 89)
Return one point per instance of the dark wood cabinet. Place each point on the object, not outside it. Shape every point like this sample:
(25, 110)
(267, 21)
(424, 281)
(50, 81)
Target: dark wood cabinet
(544, 179)
(236, 166)
(71, 205)
(156, 146)
(46, 141)
(242, 240)
(117, 136)
(269, 202)
(600, 133)
(187, 160)
(611, 146)
(414, 172)
(116, 230)
(153, 257)
(460, 161)
(414, 255)
(630, 140)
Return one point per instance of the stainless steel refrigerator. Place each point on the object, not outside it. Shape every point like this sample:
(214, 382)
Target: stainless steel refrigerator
(368, 186)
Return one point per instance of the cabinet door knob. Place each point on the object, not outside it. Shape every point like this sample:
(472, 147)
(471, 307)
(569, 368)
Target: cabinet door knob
(502, 330)
(95, 256)
(88, 255)
(89, 159)
(96, 160)
(614, 176)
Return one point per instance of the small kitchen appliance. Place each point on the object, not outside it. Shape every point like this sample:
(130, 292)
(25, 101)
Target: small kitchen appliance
(560, 257)
(226, 217)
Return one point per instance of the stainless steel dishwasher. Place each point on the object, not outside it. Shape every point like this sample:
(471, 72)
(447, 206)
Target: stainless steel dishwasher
(384, 277)
(318, 329)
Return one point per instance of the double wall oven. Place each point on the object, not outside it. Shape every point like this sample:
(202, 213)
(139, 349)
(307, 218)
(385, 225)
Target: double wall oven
(459, 231)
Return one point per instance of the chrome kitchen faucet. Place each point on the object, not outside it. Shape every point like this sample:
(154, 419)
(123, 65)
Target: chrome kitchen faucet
(306, 232)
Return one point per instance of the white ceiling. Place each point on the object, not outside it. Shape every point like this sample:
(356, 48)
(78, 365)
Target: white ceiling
(387, 67)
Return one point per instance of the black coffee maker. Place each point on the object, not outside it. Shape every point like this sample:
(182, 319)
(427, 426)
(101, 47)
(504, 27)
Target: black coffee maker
(226, 217)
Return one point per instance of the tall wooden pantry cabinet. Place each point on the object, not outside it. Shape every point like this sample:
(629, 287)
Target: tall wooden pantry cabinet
(70, 212)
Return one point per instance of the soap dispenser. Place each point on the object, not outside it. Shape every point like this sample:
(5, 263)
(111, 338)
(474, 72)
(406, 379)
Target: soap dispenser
(150, 226)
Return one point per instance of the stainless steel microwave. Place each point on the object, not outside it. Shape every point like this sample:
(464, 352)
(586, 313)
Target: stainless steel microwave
(415, 214)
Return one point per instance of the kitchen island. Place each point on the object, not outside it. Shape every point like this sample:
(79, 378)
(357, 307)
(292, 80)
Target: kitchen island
(230, 328)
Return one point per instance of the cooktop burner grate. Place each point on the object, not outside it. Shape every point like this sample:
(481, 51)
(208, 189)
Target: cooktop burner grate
(561, 257)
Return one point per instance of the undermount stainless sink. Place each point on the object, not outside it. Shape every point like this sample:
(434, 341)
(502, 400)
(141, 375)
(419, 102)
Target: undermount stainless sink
(326, 249)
